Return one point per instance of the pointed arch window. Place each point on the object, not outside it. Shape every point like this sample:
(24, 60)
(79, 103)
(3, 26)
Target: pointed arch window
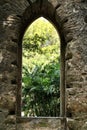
(41, 70)
(62, 113)
(62, 77)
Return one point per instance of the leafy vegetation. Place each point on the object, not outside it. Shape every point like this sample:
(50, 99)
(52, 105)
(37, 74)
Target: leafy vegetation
(41, 70)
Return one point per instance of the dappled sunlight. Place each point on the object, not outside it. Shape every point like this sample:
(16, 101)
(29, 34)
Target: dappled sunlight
(9, 21)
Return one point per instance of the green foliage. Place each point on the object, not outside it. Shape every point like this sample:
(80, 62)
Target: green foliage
(41, 70)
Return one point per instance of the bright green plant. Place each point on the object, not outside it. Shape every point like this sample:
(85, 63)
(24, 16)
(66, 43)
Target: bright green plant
(41, 70)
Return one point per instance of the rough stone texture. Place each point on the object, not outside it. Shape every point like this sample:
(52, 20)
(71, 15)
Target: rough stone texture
(71, 18)
(40, 124)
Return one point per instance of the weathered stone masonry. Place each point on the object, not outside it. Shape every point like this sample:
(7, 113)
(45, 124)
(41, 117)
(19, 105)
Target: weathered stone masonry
(71, 18)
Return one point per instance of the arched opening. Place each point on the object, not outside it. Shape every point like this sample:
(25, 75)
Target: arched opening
(41, 70)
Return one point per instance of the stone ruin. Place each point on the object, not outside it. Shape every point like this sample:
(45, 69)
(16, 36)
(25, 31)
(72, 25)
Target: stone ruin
(70, 18)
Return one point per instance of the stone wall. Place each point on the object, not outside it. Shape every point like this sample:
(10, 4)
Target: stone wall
(39, 124)
(15, 16)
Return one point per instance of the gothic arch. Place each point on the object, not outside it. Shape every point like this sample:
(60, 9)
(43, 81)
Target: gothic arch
(48, 11)
(69, 18)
